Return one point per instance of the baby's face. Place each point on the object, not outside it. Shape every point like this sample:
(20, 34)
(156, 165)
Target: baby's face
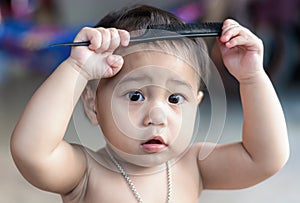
(147, 111)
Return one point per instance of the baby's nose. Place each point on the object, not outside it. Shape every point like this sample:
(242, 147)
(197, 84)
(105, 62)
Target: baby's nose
(156, 116)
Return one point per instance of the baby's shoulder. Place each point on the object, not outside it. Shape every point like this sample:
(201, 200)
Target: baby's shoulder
(94, 158)
(197, 152)
(196, 148)
(190, 157)
(97, 169)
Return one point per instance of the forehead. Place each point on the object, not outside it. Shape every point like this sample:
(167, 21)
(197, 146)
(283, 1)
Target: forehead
(157, 66)
(155, 58)
(167, 61)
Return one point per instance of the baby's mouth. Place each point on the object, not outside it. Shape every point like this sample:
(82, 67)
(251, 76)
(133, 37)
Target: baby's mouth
(155, 144)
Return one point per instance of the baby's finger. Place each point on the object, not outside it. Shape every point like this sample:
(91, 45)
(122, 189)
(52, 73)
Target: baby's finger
(115, 61)
(106, 39)
(115, 39)
(229, 22)
(230, 32)
(237, 41)
(246, 39)
(124, 37)
(92, 35)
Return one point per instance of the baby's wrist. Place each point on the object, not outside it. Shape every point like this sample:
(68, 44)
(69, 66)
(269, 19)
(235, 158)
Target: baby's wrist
(255, 78)
(72, 63)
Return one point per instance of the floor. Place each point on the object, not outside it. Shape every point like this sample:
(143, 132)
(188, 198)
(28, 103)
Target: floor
(283, 187)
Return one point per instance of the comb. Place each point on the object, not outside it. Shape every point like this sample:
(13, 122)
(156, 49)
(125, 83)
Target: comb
(165, 32)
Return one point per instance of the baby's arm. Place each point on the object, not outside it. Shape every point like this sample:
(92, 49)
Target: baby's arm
(37, 144)
(264, 148)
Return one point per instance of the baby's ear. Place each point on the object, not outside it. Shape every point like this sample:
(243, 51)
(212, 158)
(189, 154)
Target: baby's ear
(88, 97)
(200, 96)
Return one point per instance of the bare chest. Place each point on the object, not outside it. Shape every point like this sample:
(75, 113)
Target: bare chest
(109, 186)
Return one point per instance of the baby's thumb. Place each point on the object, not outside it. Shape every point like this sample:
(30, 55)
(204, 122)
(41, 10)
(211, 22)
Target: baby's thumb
(115, 61)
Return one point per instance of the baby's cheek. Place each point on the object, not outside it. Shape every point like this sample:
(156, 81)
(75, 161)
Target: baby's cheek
(188, 121)
(135, 115)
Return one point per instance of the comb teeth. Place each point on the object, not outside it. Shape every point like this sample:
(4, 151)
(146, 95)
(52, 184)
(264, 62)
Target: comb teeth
(206, 29)
(176, 31)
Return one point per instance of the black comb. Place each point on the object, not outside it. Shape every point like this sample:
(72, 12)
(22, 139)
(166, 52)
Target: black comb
(171, 31)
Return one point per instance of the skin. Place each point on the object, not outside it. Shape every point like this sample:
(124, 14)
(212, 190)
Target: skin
(155, 78)
(50, 163)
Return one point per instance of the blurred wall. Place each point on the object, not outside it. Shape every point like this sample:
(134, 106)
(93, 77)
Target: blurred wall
(78, 12)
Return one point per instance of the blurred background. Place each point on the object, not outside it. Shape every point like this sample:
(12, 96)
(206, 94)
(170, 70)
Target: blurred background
(28, 27)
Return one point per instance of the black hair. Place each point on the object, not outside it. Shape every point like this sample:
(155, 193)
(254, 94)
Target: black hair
(139, 17)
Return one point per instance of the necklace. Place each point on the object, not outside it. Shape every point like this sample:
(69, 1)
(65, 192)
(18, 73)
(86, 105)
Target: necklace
(131, 185)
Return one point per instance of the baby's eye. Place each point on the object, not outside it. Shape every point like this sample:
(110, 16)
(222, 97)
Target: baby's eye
(176, 99)
(135, 96)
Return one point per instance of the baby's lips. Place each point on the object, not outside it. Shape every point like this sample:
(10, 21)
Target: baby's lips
(154, 145)
(155, 140)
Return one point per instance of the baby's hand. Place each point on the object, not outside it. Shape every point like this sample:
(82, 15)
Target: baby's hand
(97, 60)
(242, 51)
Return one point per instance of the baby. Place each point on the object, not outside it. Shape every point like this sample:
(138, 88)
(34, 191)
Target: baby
(146, 103)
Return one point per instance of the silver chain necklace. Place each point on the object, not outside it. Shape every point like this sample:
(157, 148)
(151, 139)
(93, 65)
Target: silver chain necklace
(131, 185)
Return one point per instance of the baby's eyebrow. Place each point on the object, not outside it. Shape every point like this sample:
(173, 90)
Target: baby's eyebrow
(180, 83)
(148, 80)
(136, 79)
